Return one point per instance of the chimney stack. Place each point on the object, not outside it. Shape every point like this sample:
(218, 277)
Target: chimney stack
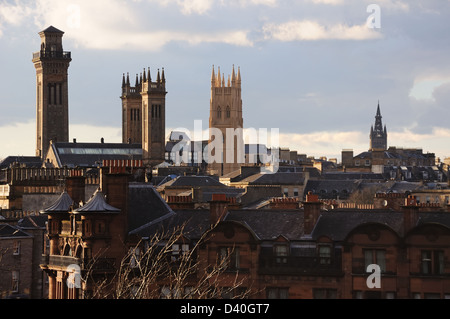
(311, 208)
(410, 214)
(218, 207)
(75, 186)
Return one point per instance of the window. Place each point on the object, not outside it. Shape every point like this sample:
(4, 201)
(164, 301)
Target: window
(375, 256)
(228, 112)
(325, 254)
(432, 262)
(219, 112)
(135, 254)
(229, 257)
(16, 248)
(281, 252)
(295, 192)
(323, 293)
(286, 192)
(15, 281)
(277, 293)
(179, 250)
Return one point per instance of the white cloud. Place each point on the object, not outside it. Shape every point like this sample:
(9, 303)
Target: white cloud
(308, 30)
(14, 14)
(195, 6)
(332, 2)
(23, 143)
(425, 86)
(122, 28)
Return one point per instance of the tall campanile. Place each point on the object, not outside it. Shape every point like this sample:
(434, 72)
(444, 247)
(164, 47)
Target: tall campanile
(226, 116)
(52, 100)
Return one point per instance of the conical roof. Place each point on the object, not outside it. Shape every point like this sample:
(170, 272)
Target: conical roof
(61, 205)
(52, 29)
(97, 204)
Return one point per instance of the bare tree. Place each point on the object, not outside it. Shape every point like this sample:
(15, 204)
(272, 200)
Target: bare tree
(154, 269)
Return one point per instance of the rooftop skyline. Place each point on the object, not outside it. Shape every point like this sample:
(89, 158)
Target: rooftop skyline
(313, 69)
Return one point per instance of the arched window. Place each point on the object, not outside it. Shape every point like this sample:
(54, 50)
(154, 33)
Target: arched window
(228, 112)
(219, 112)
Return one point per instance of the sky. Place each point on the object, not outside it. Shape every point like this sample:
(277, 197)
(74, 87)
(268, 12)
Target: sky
(314, 69)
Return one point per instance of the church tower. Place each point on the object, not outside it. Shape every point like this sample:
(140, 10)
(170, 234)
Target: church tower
(226, 113)
(144, 115)
(153, 118)
(131, 111)
(52, 100)
(378, 134)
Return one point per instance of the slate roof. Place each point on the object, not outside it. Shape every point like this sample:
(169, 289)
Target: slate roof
(9, 231)
(194, 181)
(342, 176)
(97, 204)
(337, 225)
(144, 205)
(52, 29)
(27, 161)
(268, 225)
(330, 189)
(61, 205)
(278, 178)
(33, 222)
(91, 154)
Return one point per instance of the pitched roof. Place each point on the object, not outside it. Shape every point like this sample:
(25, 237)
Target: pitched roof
(144, 205)
(91, 154)
(52, 29)
(194, 181)
(9, 231)
(61, 205)
(33, 222)
(97, 204)
(27, 161)
(266, 225)
(278, 178)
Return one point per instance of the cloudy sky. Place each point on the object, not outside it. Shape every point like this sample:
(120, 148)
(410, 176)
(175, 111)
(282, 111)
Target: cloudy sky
(315, 69)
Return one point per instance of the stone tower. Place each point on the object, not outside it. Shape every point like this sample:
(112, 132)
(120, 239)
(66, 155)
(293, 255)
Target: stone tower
(52, 101)
(378, 134)
(226, 113)
(144, 115)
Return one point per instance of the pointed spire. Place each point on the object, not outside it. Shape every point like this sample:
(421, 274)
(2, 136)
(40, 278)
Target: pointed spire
(149, 77)
(233, 77)
(378, 109)
(137, 80)
(229, 82)
(223, 80)
(163, 77)
(218, 77)
(128, 79)
(158, 78)
(145, 76)
(123, 80)
(239, 76)
(213, 77)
